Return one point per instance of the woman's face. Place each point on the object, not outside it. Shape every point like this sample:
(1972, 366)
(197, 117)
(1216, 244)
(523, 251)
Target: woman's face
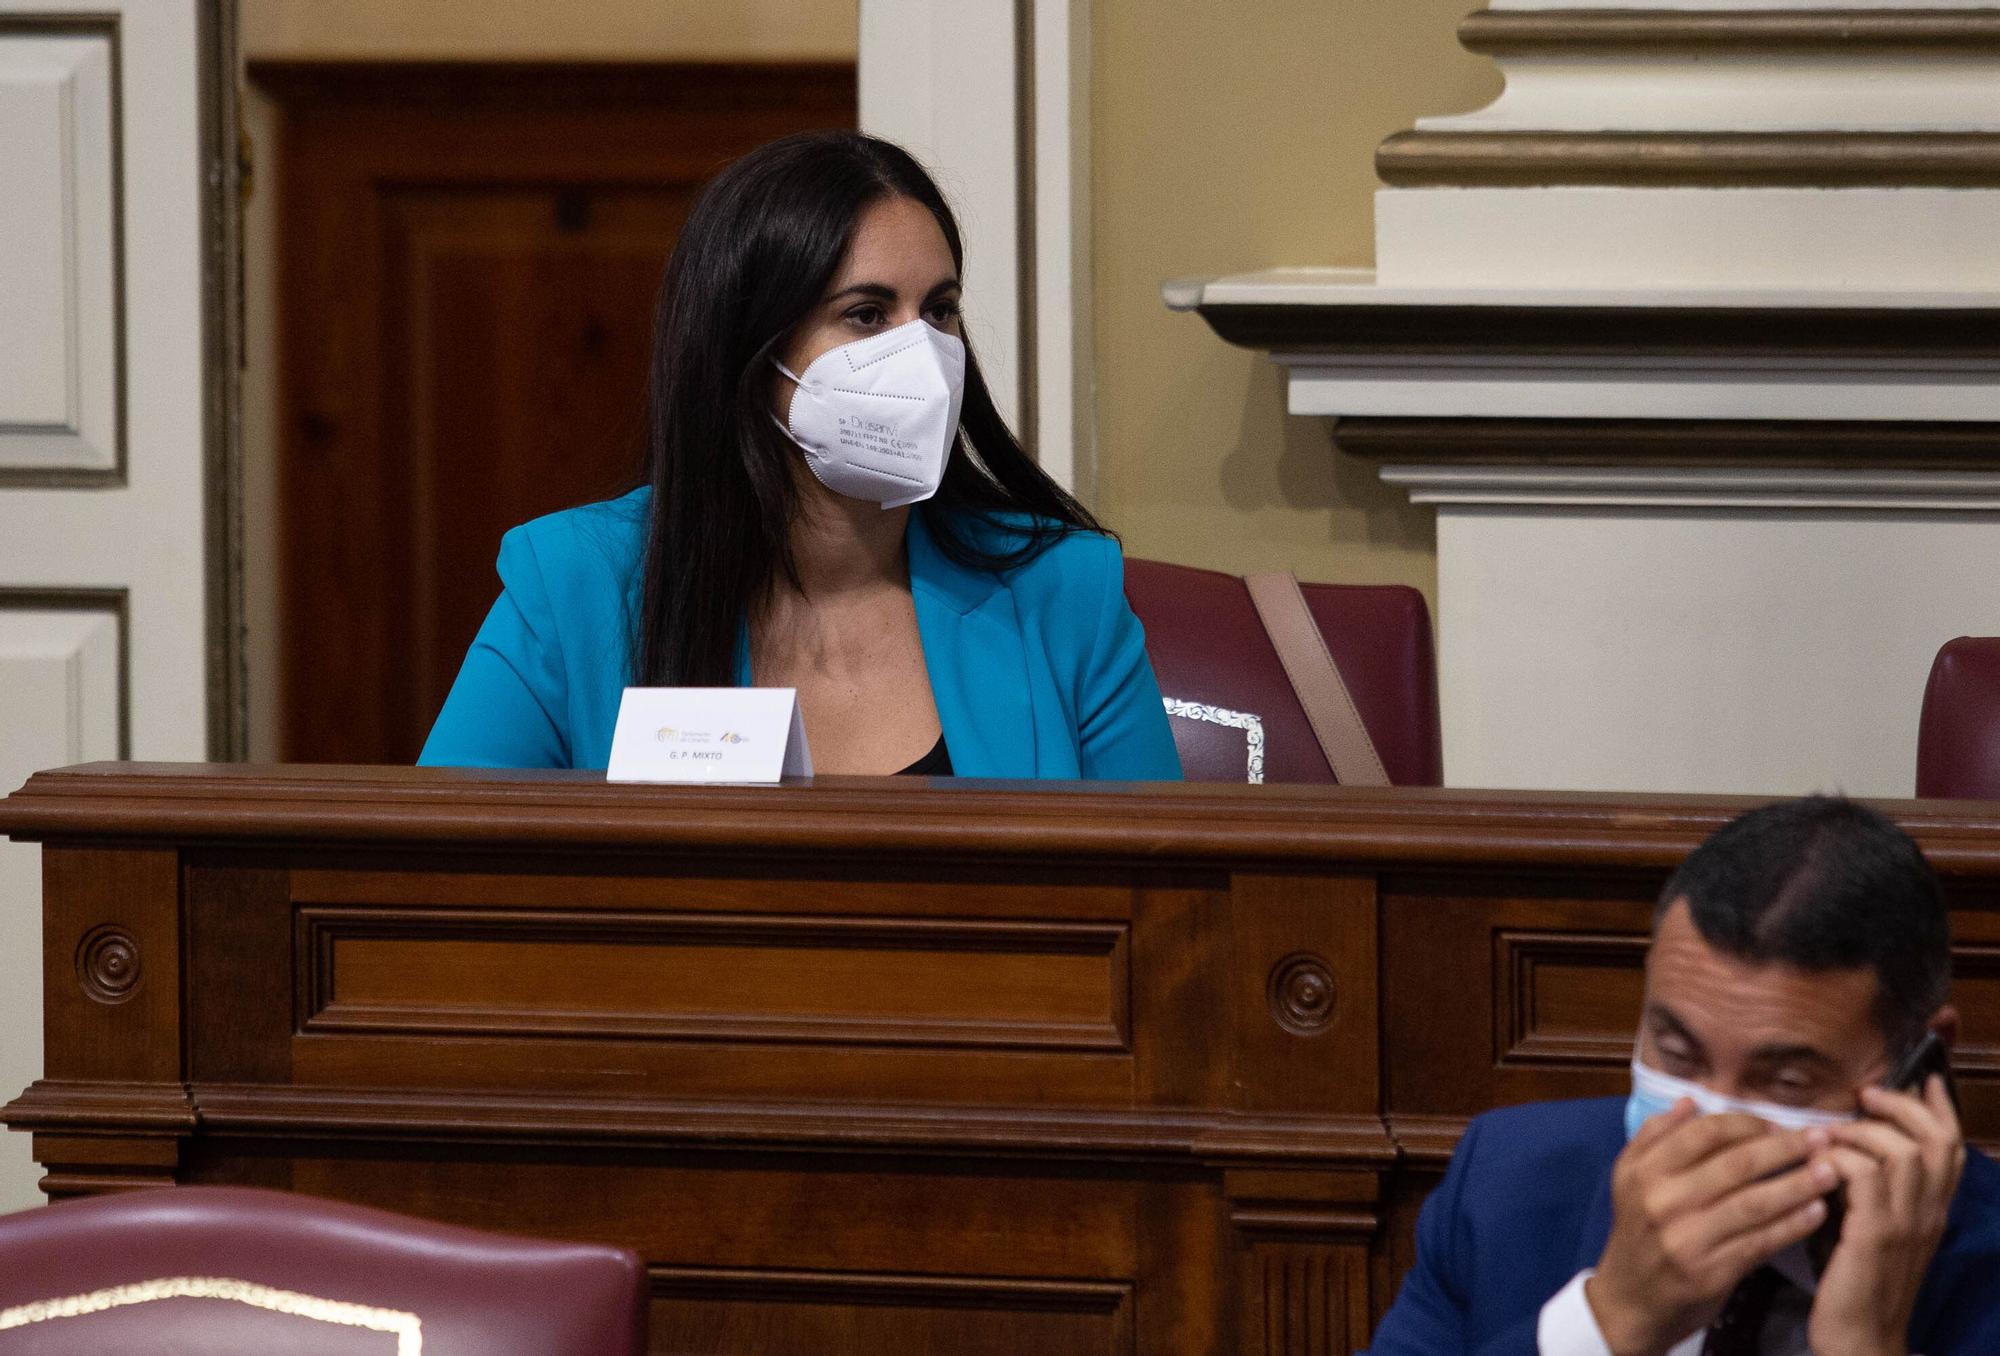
(897, 269)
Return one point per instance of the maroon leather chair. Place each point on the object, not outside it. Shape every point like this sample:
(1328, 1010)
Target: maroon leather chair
(1958, 736)
(230, 1271)
(1226, 690)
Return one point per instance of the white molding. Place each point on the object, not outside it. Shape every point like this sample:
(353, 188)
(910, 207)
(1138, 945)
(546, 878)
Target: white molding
(1064, 436)
(941, 82)
(1586, 385)
(1361, 287)
(946, 83)
(1643, 90)
(1598, 388)
(1746, 6)
(1857, 490)
(1901, 240)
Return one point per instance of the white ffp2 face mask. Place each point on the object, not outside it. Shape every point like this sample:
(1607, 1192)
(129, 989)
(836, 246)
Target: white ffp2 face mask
(877, 417)
(1654, 1093)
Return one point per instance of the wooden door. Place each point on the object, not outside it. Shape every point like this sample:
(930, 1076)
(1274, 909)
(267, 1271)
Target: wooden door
(111, 195)
(470, 255)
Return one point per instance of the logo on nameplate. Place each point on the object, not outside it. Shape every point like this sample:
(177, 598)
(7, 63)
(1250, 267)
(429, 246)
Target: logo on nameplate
(709, 734)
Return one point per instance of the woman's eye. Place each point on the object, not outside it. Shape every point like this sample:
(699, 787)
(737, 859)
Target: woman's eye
(944, 312)
(866, 315)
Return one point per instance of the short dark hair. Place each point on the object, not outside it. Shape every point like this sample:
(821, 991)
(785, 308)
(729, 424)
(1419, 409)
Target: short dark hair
(1825, 884)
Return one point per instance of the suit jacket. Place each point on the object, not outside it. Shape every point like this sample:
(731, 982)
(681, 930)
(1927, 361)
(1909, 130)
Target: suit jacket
(1526, 1204)
(1037, 671)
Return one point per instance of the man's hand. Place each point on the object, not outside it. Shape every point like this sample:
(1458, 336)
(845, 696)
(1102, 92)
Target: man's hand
(1901, 1168)
(1698, 1203)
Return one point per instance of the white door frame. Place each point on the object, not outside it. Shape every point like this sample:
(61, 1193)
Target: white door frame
(120, 576)
(994, 97)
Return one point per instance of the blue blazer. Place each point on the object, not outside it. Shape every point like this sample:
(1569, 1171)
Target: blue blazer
(1037, 671)
(1526, 1204)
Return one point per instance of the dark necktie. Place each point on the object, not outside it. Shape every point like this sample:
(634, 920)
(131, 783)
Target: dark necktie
(1741, 1326)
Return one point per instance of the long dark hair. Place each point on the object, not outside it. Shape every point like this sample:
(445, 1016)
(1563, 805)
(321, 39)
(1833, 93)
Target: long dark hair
(756, 256)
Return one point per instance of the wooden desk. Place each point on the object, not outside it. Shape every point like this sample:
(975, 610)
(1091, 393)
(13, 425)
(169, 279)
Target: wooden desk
(866, 1065)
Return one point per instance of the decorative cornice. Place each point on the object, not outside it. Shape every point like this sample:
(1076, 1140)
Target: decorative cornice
(1514, 32)
(1698, 488)
(1353, 348)
(1493, 326)
(1669, 159)
(1672, 442)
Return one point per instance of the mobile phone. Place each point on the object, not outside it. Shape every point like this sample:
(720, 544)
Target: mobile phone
(1929, 1056)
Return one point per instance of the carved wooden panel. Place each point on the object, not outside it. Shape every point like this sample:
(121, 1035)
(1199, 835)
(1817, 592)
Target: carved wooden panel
(1508, 989)
(59, 272)
(1566, 998)
(1319, 987)
(749, 978)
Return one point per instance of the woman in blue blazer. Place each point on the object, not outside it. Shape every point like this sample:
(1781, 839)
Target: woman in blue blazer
(834, 504)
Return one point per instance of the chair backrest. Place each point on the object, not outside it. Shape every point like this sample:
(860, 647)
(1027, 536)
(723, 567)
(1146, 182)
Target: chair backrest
(1235, 716)
(1958, 735)
(232, 1271)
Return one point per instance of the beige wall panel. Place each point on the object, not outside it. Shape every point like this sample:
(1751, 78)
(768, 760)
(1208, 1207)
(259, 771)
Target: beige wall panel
(606, 29)
(1234, 137)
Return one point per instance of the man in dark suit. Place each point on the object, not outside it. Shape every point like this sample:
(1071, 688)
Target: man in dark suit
(1761, 1191)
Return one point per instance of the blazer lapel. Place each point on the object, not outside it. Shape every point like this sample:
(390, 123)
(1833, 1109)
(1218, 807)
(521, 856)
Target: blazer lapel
(977, 658)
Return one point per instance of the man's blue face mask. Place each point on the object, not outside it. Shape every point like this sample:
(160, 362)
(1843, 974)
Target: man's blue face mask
(1654, 1093)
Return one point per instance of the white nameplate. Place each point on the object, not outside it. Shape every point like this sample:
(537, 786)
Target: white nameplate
(709, 734)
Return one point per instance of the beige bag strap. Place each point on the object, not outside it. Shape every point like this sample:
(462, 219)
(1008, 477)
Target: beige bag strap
(1281, 606)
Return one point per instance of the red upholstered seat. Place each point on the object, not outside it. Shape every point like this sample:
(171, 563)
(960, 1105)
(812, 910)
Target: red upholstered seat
(227, 1271)
(1210, 651)
(1958, 737)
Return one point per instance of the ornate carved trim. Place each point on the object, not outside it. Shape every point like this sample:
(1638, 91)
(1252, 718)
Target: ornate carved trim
(1738, 32)
(1302, 994)
(1672, 442)
(1534, 159)
(108, 964)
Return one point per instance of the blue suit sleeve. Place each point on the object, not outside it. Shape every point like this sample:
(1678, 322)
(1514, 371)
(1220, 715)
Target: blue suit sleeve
(1430, 1315)
(506, 707)
(1122, 729)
